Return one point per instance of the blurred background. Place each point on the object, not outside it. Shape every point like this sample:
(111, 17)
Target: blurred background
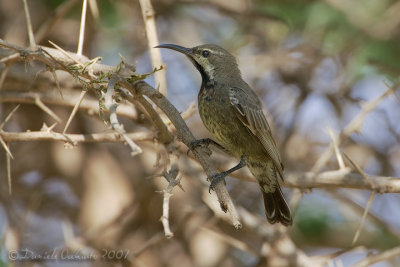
(313, 63)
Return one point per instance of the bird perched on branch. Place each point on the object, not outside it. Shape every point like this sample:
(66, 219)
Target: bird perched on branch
(232, 112)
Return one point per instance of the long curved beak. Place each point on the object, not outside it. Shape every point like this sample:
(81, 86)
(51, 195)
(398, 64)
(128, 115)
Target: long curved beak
(181, 49)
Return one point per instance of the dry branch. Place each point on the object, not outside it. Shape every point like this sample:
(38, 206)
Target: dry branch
(69, 99)
(8, 160)
(343, 179)
(32, 42)
(112, 108)
(74, 138)
(152, 39)
(173, 180)
(164, 135)
(366, 211)
(386, 255)
(82, 28)
(53, 57)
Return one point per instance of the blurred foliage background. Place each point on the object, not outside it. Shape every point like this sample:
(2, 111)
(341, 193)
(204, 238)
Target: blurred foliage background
(313, 63)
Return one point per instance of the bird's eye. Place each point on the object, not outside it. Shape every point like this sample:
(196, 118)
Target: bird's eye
(205, 53)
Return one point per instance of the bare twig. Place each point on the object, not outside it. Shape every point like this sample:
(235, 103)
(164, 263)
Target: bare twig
(6, 148)
(367, 107)
(94, 9)
(8, 172)
(172, 179)
(323, 159)
(74, 138)
(112, 107)
(3, 75)
(82, 28)
(374, 219)
(358, 169)
(53, 57)
(155, 54)
(343, 179)
(65, 53)
(371, 198)
(10, 58)
(8, 117)
(386, 255)
(46, 109)
(69, 99)
(5, 145)
(353, 126)
(190, 111)
(76, 107)
(53, 73)
(32, 43)
(165, 217)
(339, 157)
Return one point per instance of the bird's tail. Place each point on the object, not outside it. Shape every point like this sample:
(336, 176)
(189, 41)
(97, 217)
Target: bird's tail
(276, 208)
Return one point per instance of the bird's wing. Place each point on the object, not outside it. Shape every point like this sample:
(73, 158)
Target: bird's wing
(248, 109)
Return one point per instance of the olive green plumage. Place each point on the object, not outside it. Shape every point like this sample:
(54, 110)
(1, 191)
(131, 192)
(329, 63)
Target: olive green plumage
(232, 112)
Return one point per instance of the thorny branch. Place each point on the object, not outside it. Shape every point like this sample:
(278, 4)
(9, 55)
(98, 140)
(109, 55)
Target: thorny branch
(172, 179)
(60, 60)
(74, 138)
(343, 178)
(69, 99)
(112, 107)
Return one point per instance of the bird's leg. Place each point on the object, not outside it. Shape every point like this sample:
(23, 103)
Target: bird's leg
(219, 176)
(206, 142)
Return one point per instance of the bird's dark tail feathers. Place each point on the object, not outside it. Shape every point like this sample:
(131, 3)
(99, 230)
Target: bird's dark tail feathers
(276, 208)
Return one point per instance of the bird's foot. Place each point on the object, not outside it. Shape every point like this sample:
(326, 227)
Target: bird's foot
(220, 176)
(216, 178)
(203, 143)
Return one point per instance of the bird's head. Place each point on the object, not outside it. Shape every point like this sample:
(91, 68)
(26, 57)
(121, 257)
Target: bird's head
(211, 61)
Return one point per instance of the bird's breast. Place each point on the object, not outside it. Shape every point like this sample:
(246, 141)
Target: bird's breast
(219, 118)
